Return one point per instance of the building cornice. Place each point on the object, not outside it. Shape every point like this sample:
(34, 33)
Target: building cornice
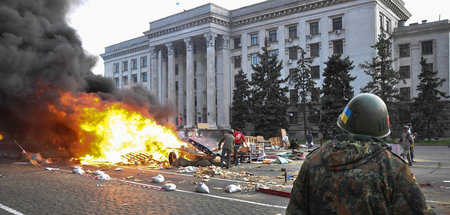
(287, 11)
(108, 56)
(443, 26)
(202, 21)
(398, 8)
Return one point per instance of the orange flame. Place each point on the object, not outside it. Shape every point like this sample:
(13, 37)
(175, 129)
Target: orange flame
(1, 137)
(107, 131)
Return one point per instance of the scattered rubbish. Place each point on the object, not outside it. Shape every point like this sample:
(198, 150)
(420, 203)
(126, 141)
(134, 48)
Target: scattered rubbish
(33, 163)
(188, 169)
(130, 177)
(118, 169)
(36, 157)
(169, 187)
(78, 170)
(158, 179)
(47, 161)
(274, 192)
(232, 188)
(103, 177)
(267, 161)
(444, 187)
(98, 172)
(282, 160)
(201, 188)
(52, 169)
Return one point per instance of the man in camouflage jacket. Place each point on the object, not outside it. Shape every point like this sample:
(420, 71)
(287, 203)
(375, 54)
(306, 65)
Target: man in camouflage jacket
(355, 173)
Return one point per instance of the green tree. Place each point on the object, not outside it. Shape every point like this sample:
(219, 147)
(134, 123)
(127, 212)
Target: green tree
(337, 92)
(240, 107)
(428, 115)
(384, 77)
(304, 84)
(269, 100)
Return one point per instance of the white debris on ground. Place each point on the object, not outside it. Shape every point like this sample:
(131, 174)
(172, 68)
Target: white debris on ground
(51, 169)
(232, 188)
(78, 170)
(169, 187)
(103, 177)
(118, 169)
(158, 179)
(188, 169)
(98, 172)
(201, 188)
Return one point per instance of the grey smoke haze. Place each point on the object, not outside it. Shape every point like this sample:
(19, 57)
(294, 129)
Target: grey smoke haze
(41, 55)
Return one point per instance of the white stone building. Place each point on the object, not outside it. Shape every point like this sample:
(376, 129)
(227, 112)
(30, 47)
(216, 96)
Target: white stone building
(189, 59)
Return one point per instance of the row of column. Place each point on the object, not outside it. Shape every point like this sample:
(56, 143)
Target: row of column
(217, 114)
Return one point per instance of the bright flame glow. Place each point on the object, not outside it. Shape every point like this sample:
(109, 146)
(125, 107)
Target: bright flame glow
(107, 131)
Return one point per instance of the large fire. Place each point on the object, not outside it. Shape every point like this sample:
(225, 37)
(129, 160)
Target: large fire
(107, 131)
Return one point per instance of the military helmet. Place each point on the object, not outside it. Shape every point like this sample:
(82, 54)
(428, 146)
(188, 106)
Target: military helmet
(365, 114)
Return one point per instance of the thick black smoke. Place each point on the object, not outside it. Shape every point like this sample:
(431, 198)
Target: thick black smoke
(40, 55)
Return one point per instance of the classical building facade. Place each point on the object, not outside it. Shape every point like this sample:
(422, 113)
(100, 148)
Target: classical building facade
(189, 59)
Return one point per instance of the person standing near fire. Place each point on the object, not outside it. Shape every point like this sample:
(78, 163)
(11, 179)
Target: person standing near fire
(356, 173)
(228, 143)
(239, 139)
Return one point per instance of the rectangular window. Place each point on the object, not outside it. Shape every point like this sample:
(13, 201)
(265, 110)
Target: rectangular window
(116, 68)
(195, 85)
(143, 61)
(273, 36)
(125, 80)
(314, 28)
(134, 64)
(291, 75)
(293, 32)
(176, 69)
(315, 72)
(237, 62)
(293, 96)
(388, 25)
(404, 72)
(273, 52)
(116, 80)
(338, 47)
(254, 59)
(195, 68)
(144, 77)
(194, 47)
(337, 23)
(427, 47)
(125, 66)
(134, 78)
(175, 52)
(176, 86)
(254, 39)
(405, 93)
(314, 48)
(381, 22)
(404, 50)
(237, 42)
(292, 53)
(292, 118)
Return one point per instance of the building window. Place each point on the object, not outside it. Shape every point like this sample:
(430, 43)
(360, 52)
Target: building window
(292, 32)
(176, 86)
(254, 39)
(388, 25)
(194, 47)
(273, 36)
(337, 23)
(116, 80)
(314, 48)
(144, 77)
(404, 72)
(404, 50)
(134, 64)
(134, 78)
(254, 59)
(176, 69)
(314, 28)
(338, 47)
(291, 75)
(237, 62)
(293, 96)
(195, 85)
(125, 66)
(195, 68)
(175, 52)
(315, 72)
(273, 52)
(116, 68)
(237, 42)
(125, 80)
(292, 53)
(381, 22)
(292, 118)
(405, 93)
(427, 47)
(143, 61)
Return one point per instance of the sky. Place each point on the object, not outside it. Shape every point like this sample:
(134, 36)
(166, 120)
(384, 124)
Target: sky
(101, 23)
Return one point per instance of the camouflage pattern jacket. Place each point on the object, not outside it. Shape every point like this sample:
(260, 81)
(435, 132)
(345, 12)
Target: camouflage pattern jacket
(355, 174)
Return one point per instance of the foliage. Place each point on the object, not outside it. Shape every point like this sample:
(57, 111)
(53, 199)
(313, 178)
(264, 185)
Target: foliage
(240, 106)
(429, 117)
(337, 92)
(269, 100)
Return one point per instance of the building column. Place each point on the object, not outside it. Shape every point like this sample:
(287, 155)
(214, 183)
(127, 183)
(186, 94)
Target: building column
(190, 106)
(170, 76)
(153, 78)
(161, 80)
(211, 79)
(226, 82)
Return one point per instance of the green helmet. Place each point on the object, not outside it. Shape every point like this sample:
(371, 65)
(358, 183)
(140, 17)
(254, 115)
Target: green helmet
(365, 114)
